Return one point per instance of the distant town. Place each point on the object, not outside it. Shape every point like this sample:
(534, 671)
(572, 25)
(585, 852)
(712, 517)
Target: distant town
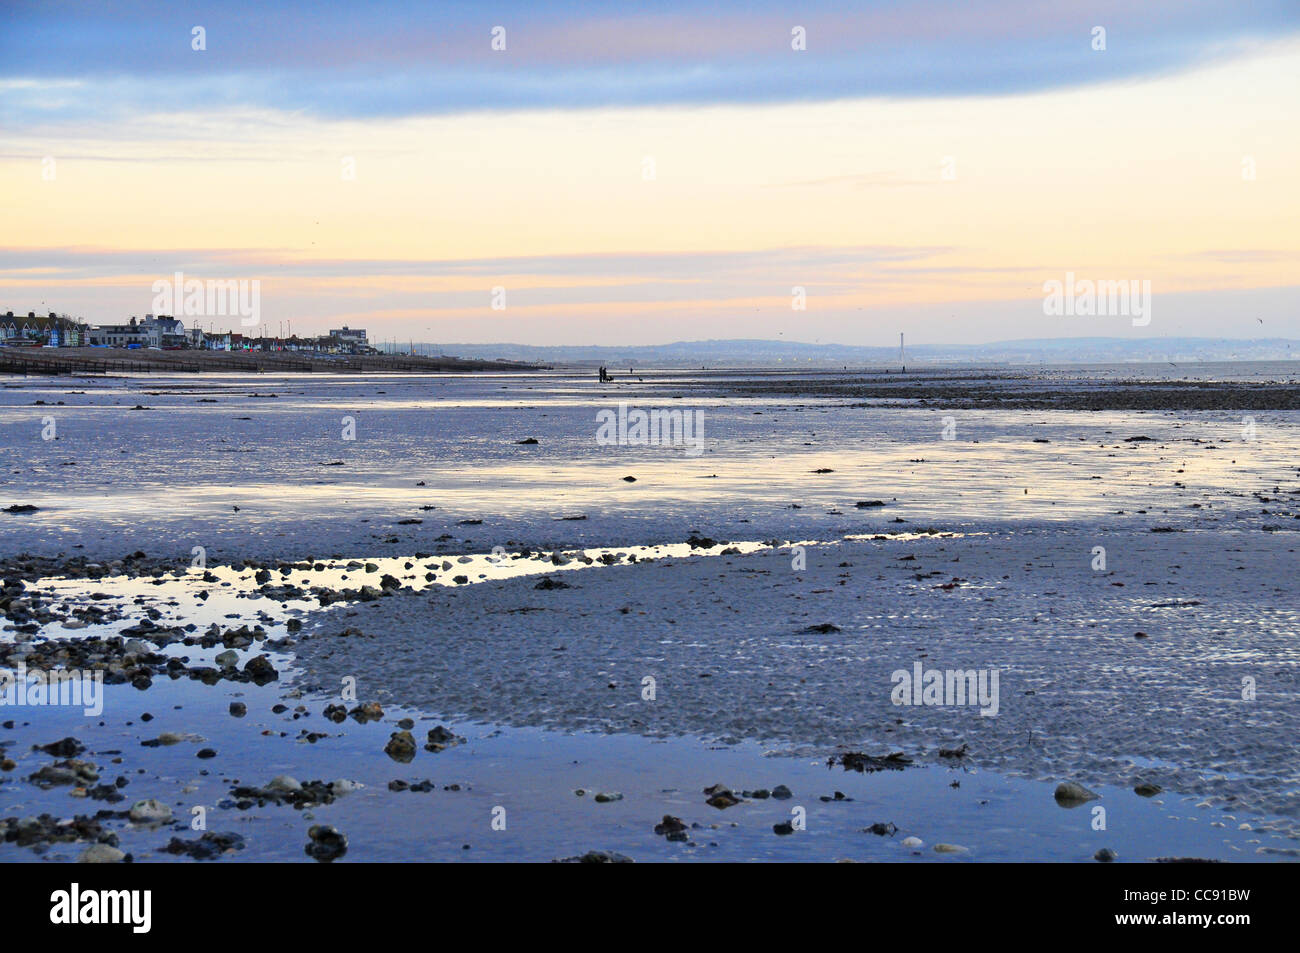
(165, 333)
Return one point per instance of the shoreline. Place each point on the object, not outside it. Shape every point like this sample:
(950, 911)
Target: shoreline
(106, 361)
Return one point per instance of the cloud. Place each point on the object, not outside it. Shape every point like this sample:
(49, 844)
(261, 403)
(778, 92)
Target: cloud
(82, 263)
(409, 58)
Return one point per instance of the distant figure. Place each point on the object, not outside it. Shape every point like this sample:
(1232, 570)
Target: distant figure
(604, 375)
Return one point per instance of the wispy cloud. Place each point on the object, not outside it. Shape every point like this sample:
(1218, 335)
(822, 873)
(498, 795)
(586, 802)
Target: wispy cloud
(63, 62)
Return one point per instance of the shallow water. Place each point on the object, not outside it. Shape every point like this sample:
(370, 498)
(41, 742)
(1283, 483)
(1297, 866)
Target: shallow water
(284, 483)
(1022, 499)
(534, 775)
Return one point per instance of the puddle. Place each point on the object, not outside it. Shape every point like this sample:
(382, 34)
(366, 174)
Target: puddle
(229, 597)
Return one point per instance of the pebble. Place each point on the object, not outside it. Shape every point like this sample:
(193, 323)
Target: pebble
(401, 746)
(150, 811)
(1070, 793)
(327, 843)
(283, 782)
(101, 854)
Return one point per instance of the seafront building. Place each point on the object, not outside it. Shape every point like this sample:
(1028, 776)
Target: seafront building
(165, 332)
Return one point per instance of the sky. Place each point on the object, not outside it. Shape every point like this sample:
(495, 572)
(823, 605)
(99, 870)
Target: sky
(592, 173)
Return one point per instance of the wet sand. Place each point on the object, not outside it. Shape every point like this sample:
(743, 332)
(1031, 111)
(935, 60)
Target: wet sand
(981, 556)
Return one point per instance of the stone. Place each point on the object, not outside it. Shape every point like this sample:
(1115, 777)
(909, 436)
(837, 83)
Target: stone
(150, 811)
(284, 782)
(327, 843)
(1071, 794)
(101, 854)
(401, 746)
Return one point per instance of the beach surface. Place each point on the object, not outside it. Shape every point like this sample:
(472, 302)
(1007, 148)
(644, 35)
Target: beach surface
(463, 553)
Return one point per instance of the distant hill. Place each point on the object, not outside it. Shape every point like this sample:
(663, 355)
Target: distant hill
(743, 352)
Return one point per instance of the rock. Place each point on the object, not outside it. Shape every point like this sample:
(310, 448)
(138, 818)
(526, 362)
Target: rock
(343, 786)
(673, 828)
(370, 711)
(327, 843)
(401, 746)
(336, 713)
(260, 670)
(283, 782)
(606, 797)
(1071, 794)
(949, 849)
(783, 828)
(781, 793)
(867, 764)
(1147, 790)
(238, 709)
(1105, 855)
(596, 857)
(527, 442)
(440, 738)
(913, 842)
(228, 659)
(150, 811)
(70, 771)
(284, 790)
(720, 796)
(209, 846)
(66, 748)
(101, 854)
(883, 830)
(549, 583)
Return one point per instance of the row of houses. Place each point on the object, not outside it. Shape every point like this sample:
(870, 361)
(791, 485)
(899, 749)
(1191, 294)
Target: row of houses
(166, 333)
(32, 331)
